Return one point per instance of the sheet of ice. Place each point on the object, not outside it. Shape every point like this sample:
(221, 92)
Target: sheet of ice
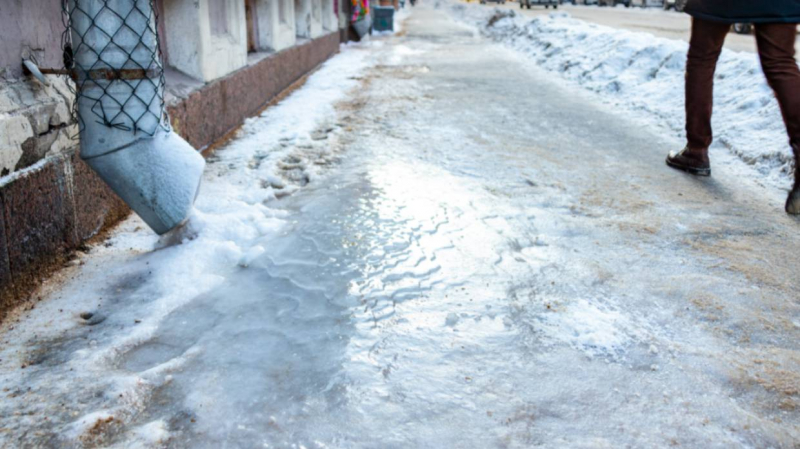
(644, 74)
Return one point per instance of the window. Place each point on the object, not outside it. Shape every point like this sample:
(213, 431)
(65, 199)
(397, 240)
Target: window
(316, 10)
(302, 19)
(282, 7)
(252, 23)
(218, 16)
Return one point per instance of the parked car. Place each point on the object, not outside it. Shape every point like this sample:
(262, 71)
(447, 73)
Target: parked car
(648, 3)
(627, 3)
(677, 5)
(499, 2)
(546, 3)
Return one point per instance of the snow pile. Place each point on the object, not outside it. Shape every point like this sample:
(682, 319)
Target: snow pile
(642, 73)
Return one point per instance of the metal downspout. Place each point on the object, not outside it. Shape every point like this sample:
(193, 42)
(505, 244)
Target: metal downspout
(155, 171)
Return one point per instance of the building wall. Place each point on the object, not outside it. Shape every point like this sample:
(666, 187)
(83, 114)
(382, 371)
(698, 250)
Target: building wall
(302, 17)
(204, 116)
(206, 39)
(50, 201)
(316, 18)
(30, 26)
(276, 24)
(35, 122)
(225, 44)
(183, 36)
(330, 20)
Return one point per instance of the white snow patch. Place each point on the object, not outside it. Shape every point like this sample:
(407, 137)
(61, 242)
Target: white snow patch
(150, 435)
(587, 327)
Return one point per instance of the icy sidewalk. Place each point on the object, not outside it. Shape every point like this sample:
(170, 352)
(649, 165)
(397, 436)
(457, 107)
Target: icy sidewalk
(59, 372)
(644, 75)
(449, 276)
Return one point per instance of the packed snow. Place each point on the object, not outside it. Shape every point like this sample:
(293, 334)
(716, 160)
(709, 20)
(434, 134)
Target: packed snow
(644, 74)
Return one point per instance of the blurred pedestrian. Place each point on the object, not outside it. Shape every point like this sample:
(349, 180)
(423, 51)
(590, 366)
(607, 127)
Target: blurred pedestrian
(776, 31)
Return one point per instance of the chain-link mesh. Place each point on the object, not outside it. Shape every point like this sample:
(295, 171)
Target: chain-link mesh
(112, 52)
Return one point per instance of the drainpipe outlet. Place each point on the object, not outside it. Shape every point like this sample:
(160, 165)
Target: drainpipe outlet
(158, 177)
(125, 134)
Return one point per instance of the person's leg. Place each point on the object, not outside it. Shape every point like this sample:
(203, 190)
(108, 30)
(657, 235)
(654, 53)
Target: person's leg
(705, 47)
(793, 201)
(776, 49)
(776, 42)
(704, 50)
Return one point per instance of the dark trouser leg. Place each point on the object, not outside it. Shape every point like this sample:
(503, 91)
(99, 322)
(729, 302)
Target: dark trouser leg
(704, 50)
(776, 49)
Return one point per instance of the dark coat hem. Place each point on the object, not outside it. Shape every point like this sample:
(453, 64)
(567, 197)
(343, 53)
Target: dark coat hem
(732, 20)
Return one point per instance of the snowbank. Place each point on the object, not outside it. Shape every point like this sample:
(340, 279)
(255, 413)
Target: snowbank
(644, 74)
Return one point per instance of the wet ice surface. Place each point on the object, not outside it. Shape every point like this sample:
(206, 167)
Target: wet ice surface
(459, 278)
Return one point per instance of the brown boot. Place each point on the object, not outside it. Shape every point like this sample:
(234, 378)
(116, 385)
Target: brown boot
(793, 202)
(691, 161)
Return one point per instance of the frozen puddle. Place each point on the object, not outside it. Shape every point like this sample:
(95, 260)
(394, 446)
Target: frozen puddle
(301, 347)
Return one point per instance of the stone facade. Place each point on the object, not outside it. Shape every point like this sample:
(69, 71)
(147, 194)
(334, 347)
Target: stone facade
(35, 122)
(50, 201)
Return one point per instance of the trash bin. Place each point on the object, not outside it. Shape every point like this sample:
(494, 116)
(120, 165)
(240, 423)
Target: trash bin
(384, 18)
(362, 26)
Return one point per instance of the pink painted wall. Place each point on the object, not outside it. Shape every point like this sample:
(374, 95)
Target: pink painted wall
(30, 24)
